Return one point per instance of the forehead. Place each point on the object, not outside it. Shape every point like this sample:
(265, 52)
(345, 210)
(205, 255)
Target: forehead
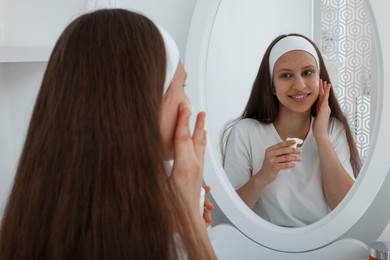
(295, 58)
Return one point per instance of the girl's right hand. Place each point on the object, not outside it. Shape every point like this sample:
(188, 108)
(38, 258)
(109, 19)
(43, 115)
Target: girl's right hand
(278, 157)
(189, 153)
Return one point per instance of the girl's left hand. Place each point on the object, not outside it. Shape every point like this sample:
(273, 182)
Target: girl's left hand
(321, 121)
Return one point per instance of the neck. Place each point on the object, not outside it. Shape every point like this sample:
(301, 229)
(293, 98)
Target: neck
(293, 125)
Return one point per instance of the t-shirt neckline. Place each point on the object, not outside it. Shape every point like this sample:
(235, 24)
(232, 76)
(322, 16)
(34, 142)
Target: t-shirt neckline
(279, 139)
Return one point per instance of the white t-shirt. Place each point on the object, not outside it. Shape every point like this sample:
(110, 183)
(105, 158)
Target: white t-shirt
(295, 198)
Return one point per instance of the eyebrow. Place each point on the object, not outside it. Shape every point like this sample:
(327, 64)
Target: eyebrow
(309, 66)
(303, 68)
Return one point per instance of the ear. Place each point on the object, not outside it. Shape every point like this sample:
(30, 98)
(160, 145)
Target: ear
(273, 89)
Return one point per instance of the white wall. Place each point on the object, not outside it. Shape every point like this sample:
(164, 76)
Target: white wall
(5, 142)
(174, 15)
(18, 87)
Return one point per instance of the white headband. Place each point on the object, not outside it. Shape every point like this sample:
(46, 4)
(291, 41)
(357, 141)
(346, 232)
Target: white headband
(172, 54)
(291, 43)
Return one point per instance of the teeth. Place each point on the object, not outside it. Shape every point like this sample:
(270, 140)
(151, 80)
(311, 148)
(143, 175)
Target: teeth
(302, 96)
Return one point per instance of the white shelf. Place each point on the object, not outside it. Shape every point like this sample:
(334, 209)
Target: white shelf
(24, 54)
(29, 29)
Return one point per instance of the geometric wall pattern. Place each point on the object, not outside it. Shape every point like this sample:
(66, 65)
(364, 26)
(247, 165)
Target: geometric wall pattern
(347, 49)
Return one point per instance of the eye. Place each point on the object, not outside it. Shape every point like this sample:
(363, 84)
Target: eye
(285, 75)
(307, 73)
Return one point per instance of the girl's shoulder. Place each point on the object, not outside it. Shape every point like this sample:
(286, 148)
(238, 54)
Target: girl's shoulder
(336, 130)
(335, 125)
(248, 127)
(249, 123)
(249, 131)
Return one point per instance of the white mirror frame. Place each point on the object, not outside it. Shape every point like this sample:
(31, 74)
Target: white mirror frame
(360, 215)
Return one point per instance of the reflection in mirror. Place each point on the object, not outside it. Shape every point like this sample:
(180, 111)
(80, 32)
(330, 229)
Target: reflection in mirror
(291, 97)
(342, 31)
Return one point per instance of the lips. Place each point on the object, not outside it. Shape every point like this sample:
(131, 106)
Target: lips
(301, 97)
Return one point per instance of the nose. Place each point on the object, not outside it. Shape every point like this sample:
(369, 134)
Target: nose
(299, 83)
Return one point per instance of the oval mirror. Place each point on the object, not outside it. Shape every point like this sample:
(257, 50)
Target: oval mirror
(225, 46)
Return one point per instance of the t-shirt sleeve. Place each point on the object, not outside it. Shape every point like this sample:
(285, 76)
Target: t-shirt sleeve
(340, 145)
(237, 164)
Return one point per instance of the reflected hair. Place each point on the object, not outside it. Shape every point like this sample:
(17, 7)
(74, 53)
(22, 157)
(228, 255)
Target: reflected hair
(263, 105)
(90, 182)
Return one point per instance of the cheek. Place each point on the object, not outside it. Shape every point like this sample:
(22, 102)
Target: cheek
(316, 92)
(279, 87)
(183, 98)
(273, 89)
(188, 102)
(169, 118)
(167, 127)
(315, 83)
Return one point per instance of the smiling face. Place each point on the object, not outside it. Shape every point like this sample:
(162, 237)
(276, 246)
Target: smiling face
(295, 81)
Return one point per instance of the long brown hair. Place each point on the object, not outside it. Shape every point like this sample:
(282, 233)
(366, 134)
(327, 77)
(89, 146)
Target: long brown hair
(263, 105)
(90, 183)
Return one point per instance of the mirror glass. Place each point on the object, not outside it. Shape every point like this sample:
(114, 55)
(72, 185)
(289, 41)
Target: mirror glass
(242, 31)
